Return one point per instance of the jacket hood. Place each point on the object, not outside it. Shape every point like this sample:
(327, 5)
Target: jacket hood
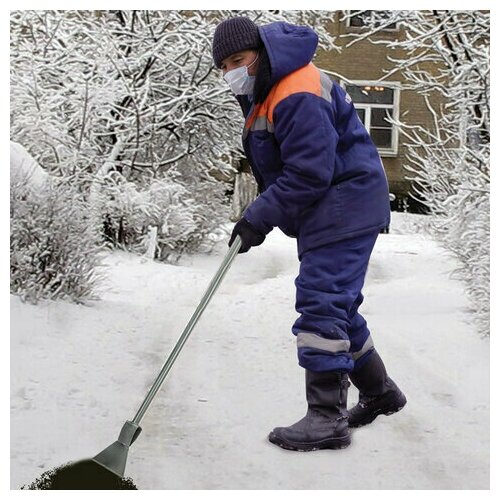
(289, 47)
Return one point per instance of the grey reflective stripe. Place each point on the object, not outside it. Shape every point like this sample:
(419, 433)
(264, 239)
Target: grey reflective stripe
(316, 342)
(326, 86)
(366, 347)
(262, 123)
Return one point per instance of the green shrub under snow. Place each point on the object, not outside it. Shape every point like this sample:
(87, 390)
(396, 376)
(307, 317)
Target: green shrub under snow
(179, 217)
(54, 245)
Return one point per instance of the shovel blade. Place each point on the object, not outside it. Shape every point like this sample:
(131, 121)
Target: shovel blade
(114, 457)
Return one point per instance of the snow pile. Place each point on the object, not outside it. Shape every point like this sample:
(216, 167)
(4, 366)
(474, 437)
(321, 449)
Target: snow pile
(79, 372)
(24, 167)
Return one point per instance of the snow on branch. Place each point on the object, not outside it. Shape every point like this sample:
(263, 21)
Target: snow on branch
(445, 55)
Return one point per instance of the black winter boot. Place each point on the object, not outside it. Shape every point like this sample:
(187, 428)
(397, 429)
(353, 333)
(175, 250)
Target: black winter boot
(325, 424)
(378, 394)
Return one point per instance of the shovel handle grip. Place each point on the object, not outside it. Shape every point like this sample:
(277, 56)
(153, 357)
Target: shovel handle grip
(212, 287)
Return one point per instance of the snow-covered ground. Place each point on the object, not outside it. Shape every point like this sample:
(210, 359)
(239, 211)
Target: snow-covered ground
(78, 372)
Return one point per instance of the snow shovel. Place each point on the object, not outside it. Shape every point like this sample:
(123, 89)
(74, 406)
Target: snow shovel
(106, 469)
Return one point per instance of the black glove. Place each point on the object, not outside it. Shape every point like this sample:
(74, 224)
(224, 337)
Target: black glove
(250, 237)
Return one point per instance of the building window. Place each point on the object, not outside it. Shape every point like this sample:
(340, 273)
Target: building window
(360, 19)
(377, 104)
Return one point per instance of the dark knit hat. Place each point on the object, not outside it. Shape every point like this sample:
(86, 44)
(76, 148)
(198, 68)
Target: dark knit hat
(232, 35)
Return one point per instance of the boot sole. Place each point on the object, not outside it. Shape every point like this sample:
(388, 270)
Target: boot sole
(383, 411)
(330, 444)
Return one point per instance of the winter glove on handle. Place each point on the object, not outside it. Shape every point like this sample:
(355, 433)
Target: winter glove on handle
(250, 237)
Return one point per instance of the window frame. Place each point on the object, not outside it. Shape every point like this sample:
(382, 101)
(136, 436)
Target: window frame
(351, 27)
(395, 86)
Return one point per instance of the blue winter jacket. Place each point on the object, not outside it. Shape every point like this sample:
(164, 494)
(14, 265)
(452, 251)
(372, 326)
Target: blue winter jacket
(320, 176)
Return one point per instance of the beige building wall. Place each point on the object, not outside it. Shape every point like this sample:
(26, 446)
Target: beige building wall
(367, 61)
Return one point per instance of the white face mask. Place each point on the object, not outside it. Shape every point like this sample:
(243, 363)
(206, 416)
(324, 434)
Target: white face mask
(240, 82)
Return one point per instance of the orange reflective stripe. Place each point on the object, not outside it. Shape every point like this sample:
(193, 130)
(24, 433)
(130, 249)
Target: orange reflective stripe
(306, 79)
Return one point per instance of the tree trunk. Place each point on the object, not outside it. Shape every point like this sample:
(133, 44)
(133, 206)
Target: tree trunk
(245, 191)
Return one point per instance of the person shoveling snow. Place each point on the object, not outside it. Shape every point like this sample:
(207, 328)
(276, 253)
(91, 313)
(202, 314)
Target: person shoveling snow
(321, 181)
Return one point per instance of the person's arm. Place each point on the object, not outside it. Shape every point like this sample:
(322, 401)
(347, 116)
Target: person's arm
(304, 130)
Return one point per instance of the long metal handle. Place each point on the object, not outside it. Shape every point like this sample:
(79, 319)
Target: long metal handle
(212, 287)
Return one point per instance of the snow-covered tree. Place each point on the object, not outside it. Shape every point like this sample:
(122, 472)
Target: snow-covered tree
(55, 248)
(54, 241)
(447, 55)
(136, 87)
(133, 93)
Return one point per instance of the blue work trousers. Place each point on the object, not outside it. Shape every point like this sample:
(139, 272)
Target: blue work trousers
(331, 333)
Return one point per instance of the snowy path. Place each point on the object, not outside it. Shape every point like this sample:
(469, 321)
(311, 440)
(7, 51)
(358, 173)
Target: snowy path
(77, 373)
